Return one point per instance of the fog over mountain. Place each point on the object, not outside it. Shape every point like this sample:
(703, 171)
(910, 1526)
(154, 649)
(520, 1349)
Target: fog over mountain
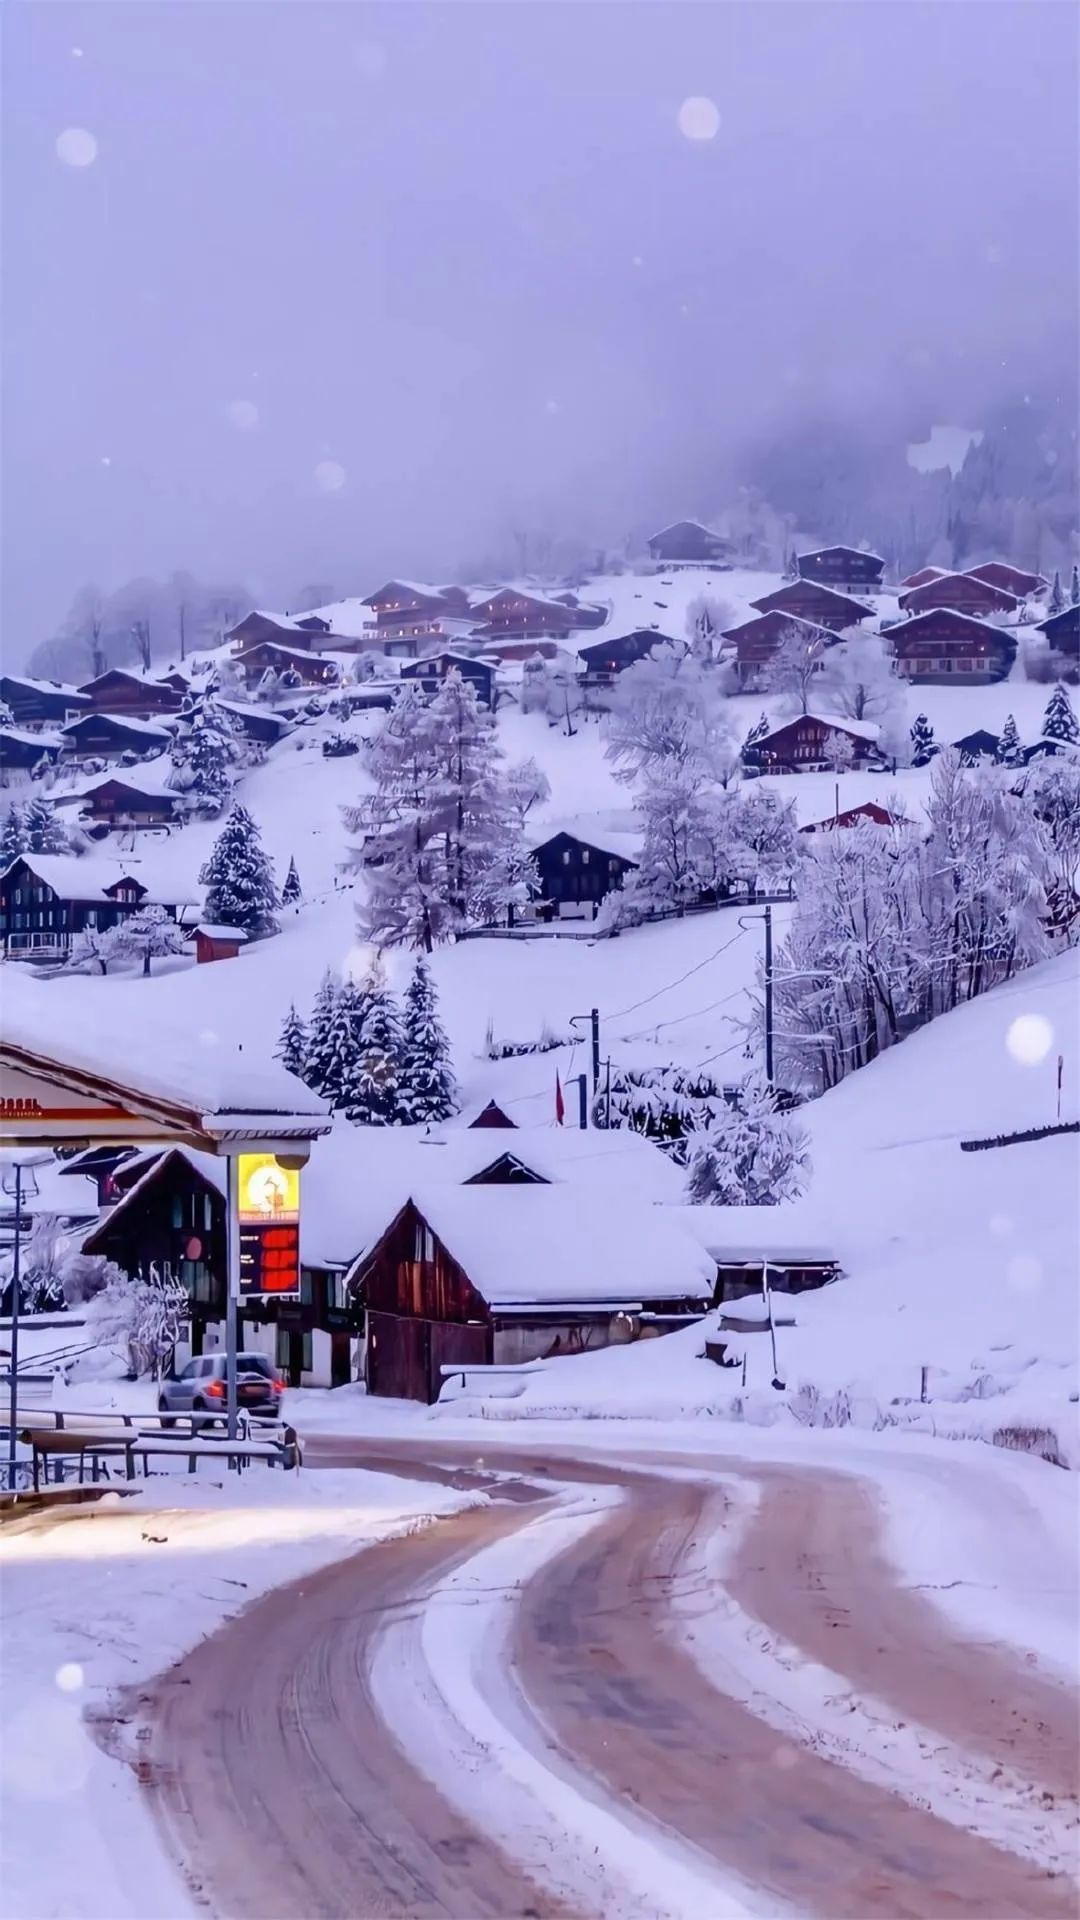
(305, 293)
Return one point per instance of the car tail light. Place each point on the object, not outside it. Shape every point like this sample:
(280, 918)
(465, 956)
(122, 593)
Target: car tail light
(216, 1389)
(279, 1383)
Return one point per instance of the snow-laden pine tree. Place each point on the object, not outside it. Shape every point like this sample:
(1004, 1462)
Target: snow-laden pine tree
(44, 831)
(292, 892)
(753, 1156)
(400, 850)
(318, 1053)
(339, 1047)
(1056, 601)
(208, 755)
(148, 935)
(757, 732)
(1059, 720)
(292, 1044)
(1074, 586)
(923, 747)
(13, 839)
(372, 1092)
(1009, 749)
(427, 1088)
(239, 879)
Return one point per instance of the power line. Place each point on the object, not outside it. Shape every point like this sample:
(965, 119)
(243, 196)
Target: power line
(688, 975)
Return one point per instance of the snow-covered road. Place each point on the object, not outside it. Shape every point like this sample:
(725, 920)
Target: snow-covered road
(621, 1689)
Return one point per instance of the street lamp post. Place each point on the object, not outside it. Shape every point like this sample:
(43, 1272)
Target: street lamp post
(19, 1180)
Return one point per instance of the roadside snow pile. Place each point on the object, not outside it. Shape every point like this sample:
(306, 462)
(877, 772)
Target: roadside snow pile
(962, 1263)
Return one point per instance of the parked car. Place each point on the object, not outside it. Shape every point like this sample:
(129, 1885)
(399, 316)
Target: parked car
(201, 1387)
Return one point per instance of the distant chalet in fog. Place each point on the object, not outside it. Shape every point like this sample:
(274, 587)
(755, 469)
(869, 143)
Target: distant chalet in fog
(303, 633)
(1062, 631)
(959, 593)
(799, 745)
(822, 606)
(1016, 580)
(430, 672)
(842, 567)
(105, 736)
(603, 660)
(755, 641)
(687, 543)
(46, 899)
(942, 645)
(514, 613)
(41, 703)
(310, 669)
(133, 695)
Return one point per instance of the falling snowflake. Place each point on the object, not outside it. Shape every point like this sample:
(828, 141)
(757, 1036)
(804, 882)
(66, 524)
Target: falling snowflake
(369, 59)
(76, 148)
(330, 476)
(69, 1677)
(1024, 1273)
(699, 118)
(1030, 1039)
(243, 414)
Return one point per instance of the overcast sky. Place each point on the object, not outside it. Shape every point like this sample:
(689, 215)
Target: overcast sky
(300, 291)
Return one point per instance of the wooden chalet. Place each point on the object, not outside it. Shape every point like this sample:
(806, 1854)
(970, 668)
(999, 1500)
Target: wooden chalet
(514, 614)
(309, 669)
(959, 593)
(122, 804)
(808, 600)
(848, 569)
(788, 1242)
(981, 745)
(801, 745)
(132, 695)
(302, 633)
(430, 673)
(942, 645)
(755, 642)
(921, 576)
(405, 605)
(687, 543)
(46, 899)
(869, 812)
(21, 750)
(604, 660)
(260, 724)
(41, 703)
(169, 1218)
(106, 736)
(1016, 580)
(1062, 631)
(482, 1275)
(576, 874)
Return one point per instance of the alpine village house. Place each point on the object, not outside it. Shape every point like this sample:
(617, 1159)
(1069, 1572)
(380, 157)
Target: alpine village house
(46, 899)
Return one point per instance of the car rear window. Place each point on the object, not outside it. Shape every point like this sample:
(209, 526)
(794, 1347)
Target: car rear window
(254, 1363)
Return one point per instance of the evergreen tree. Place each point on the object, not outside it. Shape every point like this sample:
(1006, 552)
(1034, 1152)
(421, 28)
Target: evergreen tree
(757, 732)
(12, 837)
(341, 1047)
(371, 1097)
(291, 892)
(923, 748)
(44, 832)
(1057, 596)
(1074, 586)
(239, 879)
(1059, 720)
(317, 1056)
(209, 758)
(428, 1090)
(1009, 750)
(754, 1156)
(292, 1044)
(791, 569)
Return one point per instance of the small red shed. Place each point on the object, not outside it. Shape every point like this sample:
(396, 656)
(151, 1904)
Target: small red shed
(217, 943)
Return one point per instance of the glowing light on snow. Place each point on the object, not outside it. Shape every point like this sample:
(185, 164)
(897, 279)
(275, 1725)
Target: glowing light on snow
(69, 1677)
(76, 148)
(330, 476)
(699, 118)
(1024, 1273)
(76, 53)
(369, 59)
(106, 460)
(243, 414)
(1030, 1039)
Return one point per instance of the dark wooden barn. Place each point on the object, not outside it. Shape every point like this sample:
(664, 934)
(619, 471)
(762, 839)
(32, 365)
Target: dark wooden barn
(960, 593)
(1062, 631)
(125, 805)
(105, 736)
(575, 874)
(755, 642)
(430, 673)
(1017, 580)
(688, 543)
(822, 606)
(944, 646)
(802, 745)
(41, 703)
(604, 660)
(845, 568)
(123, 692)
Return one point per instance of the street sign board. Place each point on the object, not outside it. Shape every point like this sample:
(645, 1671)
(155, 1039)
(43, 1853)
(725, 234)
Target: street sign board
(268, 1209)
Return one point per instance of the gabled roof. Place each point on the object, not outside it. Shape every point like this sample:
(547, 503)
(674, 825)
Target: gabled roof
(777, 620)
(836, 723)
(962, 624)
(855, 553)
(922, 576)
(56, 688)
(781, 594)
(148, 729)
(918, 595)
(91, 879)
(134, 676)
(688, 526)
(414, 589)
(624, 842)
(44, 742)
(1066, 618)
(1002, 573)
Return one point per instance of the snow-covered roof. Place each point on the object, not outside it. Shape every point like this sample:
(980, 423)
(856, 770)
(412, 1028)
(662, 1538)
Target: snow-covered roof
(623, 841)
(45, 686)
(554, 1244)
(349, 619)
(214, 931)
(87, 879)
(964, 622)
(150, 777)
(839, 723)
(676, 526)
(152, 729)
(859, 553)
(735, 1236)
(814, 586)
(24, 738)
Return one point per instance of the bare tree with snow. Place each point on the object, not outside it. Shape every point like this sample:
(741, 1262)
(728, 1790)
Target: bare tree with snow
(667, 709)
(795, 670)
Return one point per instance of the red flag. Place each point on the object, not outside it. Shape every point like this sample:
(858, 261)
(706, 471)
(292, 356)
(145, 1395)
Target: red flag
(560, 1104)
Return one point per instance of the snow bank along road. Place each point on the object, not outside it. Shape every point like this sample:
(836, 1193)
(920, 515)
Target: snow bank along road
(553, 1705)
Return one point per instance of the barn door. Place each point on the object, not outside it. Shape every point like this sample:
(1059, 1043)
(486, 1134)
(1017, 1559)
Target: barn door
(397, 1357)
(455, 1344)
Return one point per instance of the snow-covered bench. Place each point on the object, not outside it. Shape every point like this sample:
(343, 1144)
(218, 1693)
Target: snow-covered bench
(499, 1383)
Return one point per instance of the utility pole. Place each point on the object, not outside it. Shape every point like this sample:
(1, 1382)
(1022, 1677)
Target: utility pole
(16, 1279)
(768, 997)
(581, 1081)
(593, 1017)
(232, 1287)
